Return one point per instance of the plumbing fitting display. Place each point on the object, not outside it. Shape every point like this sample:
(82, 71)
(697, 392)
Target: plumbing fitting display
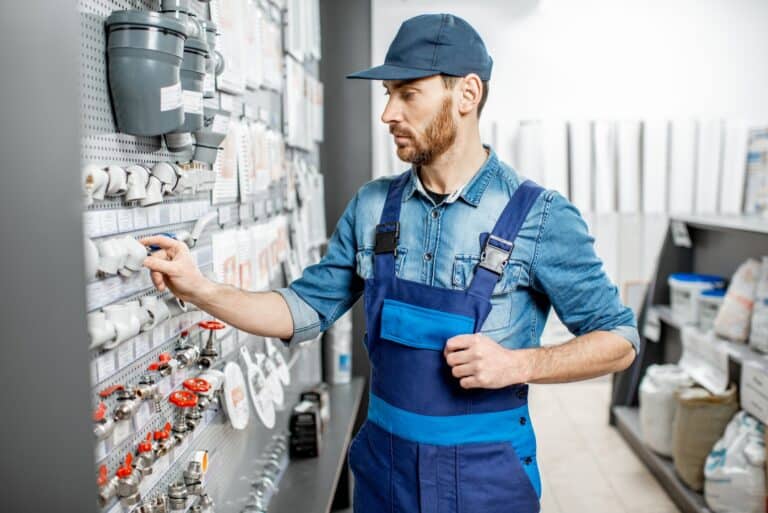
(127, 324)
(177, 496)
(145, 50)
(192, 78)
(183, 400)
(138, 180)
(95, 180)
(100, 329)
(257, 385)
(209, 353)
(209, 138)
(111, 256)
(128, 483)
(118, 181)
(193, 478)
(154, 193)
(157, 309)
(214, 64)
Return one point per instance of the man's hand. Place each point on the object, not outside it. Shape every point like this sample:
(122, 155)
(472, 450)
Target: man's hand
(173, 267)
(480, 362)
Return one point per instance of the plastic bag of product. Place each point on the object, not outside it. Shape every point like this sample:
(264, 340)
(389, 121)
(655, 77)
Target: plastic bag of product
(734, 318)
(700, 420)
(734, 472)
(758, 336)
(658, 404)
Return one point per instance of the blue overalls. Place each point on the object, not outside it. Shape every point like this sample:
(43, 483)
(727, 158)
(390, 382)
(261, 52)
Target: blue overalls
(428, 445)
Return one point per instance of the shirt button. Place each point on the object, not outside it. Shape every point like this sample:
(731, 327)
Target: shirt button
(435, 214)
(528, 460)
(427, 256)
(522, 421)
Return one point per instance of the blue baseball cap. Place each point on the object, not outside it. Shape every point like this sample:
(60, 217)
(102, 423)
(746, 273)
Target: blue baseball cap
(433, 44)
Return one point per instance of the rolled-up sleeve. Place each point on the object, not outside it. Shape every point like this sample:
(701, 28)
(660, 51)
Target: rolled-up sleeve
(569, 272)
(327, 289)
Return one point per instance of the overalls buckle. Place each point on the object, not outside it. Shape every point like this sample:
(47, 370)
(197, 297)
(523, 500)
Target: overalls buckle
(496, 254)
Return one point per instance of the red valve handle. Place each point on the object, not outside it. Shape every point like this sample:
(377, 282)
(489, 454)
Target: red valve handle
(154, 366)
(126, 470)
(183, 399)
(146, 444)
(163, 435)
(100, 412)
(197, 385)
(102, 479)
(110, 390)
(164, 357)
(212, 325)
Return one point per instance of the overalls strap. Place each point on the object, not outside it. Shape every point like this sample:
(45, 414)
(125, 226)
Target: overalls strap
(388, 229)
(498, 246)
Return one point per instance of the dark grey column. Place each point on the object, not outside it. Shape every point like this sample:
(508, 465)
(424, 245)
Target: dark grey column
(345, 155)
(47, 448)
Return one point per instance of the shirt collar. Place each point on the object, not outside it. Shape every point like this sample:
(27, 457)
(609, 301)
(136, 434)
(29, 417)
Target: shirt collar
(471, 192)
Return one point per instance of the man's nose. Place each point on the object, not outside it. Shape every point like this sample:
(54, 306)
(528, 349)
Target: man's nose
(392, 112)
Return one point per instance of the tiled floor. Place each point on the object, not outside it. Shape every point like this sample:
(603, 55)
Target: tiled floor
(586, 466)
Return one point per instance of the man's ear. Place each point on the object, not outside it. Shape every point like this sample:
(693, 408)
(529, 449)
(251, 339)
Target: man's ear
(470, 93)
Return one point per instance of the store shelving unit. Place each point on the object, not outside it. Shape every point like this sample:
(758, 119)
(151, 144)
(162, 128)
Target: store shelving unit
(718, 245)
(309, 485)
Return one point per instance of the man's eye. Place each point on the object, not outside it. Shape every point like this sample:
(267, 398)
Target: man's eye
(407, 96)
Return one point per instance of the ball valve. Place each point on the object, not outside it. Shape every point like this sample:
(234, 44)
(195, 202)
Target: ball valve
(163, 440)
(107, 486)
(186, 353)
(128, 480)
(145, 456)
(209, 353)
(103, 425)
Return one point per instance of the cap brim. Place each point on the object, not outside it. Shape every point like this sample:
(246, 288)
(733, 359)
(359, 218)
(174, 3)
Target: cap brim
(390, 72)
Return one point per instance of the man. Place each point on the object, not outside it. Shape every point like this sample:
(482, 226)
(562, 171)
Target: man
(459, 260)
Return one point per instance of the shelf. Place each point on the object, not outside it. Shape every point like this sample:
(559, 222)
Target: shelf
(628, 422)
(738, 352)
(309, 485)
(726, 222)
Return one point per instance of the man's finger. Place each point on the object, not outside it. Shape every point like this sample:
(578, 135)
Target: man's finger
(157, 280)
(160, 265)
(458, 343)
(462, 371)
(469, 382)
(458, 357)
(161, 241)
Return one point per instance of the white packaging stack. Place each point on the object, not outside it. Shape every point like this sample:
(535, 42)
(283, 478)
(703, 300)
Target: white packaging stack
(658, 404)
(758, 336)
(338, 350)
(684, 293)
(710, 302)
(734, 474)
(734, 318)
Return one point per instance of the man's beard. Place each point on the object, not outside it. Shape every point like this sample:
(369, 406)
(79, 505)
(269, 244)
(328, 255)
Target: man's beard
(438, 137)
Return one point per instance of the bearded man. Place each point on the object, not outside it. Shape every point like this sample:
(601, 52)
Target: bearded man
(459, 260)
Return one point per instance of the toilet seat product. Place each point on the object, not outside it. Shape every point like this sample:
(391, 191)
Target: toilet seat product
(259, 390)
(234, 392)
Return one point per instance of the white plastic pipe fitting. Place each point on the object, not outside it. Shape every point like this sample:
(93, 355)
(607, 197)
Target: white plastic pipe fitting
(154, 193)
(126, 321)
(138, 180)
(91, 259)
(111, 256)
(118, 181)
(95, 181)
(167, 175)
(100, 329)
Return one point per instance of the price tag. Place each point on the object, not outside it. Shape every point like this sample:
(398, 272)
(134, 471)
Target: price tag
(109, 222)
(652, 326)
(153, 215)
(174, 213)
(125, 220)
(94, 372)
(165, 386)
(142, 344)
(91, 223)
(124, 354)
(225, 215)
(164, 211)
(139, 218)
(121, 432)
(106, 365)
(754, 390)
(100, 450)
(143, 414)
(680, 234)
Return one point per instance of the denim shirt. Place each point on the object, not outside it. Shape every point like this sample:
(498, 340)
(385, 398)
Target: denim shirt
(553, 262)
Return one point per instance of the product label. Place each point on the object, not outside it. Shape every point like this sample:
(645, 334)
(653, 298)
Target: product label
(106, 365)
(171, 97)
(754, 390)
(121, 432)
(143, 415)
(139, 218)
(125, 220)
(142, 344)
(193, 102)
(124, 354)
